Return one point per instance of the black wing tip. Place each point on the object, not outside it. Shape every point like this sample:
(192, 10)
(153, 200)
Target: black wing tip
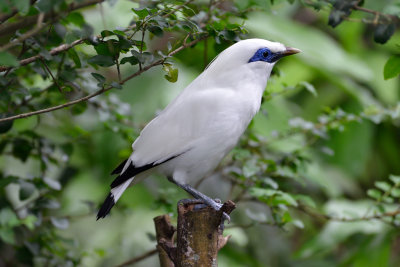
(106, 207)
(119, 168)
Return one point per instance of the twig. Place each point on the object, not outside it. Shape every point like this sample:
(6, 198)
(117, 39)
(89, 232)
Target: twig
(141, 48)
(139, 258)
(38, 28)
(27, 21)
(51, 74)
(73, 102)
(5, 17)
(118, 70)
(54, 51)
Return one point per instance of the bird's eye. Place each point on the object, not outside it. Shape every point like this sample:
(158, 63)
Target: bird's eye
(265, 54)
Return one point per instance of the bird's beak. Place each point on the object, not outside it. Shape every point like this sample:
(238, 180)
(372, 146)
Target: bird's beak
(290, 51)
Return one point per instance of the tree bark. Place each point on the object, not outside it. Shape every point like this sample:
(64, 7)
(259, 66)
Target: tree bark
(199, 235)
(164, 235)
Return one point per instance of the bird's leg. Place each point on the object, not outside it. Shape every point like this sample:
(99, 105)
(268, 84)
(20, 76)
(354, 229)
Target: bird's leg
(198, 195)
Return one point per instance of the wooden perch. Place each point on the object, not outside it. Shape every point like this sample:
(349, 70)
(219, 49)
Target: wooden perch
(199, 235)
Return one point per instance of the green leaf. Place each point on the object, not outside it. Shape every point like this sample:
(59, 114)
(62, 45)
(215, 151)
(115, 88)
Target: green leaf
(392, 67)
(374, 193)
(108, 48)
(5, 126)
(383, 32)
(384, 186)
(8, 60)
(26, 190)
(141, 12)
(76, 18)
(79, 108)
(172, 73)
(44, 5)
(395, 192)
(106, 33)
(156, 30)
(309, 87)
(74, 56)
(287, 199)
(22, 6)
(100, 78)
(395, 179)
(101, 60)
(29, 221)
(53, 184)
(133, 60)
(21, 148)
(7, 180)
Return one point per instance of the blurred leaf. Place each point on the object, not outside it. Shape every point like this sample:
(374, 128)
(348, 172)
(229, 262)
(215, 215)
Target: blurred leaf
(29, 221)
(45, 5)
(383, 32)
(141, 12)
(60, 223)
(100, 78)
(5, 126)
(76, 18)
(156, 30)
(74, 56)
(395, 179)
(101, 60)
(132, 60)
(172, 73)
(384, 186)
(392, 67)
(53, 184)
(21, 5)
(107, 33)
(79, 108)
(4, 181)
(26, 190)
(309, 87)
(8, 60)
(374, 193)
(21, 148)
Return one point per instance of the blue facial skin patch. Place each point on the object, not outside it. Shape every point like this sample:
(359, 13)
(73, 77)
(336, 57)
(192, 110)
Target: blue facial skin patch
(264, 54)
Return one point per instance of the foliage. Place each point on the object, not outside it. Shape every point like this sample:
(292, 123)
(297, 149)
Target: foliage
(319, 162)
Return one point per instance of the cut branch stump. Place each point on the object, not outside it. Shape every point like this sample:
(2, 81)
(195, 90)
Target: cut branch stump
(199, 235)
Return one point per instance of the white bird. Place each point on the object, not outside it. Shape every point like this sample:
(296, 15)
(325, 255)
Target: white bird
(189, 138)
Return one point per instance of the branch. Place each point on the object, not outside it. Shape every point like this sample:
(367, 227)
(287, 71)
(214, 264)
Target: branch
(38, 28)
(76, 101)
(139, 258)
(52, 76)
(27, 21)
(54, 51)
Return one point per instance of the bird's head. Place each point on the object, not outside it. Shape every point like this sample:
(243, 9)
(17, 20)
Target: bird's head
(254, 54)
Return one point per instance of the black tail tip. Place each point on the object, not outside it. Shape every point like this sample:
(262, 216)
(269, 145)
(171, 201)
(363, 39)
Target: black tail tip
(106, 207)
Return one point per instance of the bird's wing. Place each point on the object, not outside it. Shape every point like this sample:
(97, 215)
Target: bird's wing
(188, 119)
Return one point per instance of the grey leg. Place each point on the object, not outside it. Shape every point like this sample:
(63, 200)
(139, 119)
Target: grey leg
(198, 195)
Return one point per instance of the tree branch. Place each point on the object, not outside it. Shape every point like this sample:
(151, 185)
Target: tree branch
(139, 258)
(38, 28)
(54, 51)
(27, 21)
(76, 101)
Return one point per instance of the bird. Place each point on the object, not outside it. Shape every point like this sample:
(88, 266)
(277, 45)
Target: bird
(187, 140)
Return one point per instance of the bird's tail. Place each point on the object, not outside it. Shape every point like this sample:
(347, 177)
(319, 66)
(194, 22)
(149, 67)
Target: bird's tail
(112, 198)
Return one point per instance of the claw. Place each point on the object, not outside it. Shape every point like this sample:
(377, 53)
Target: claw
(226, 217)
